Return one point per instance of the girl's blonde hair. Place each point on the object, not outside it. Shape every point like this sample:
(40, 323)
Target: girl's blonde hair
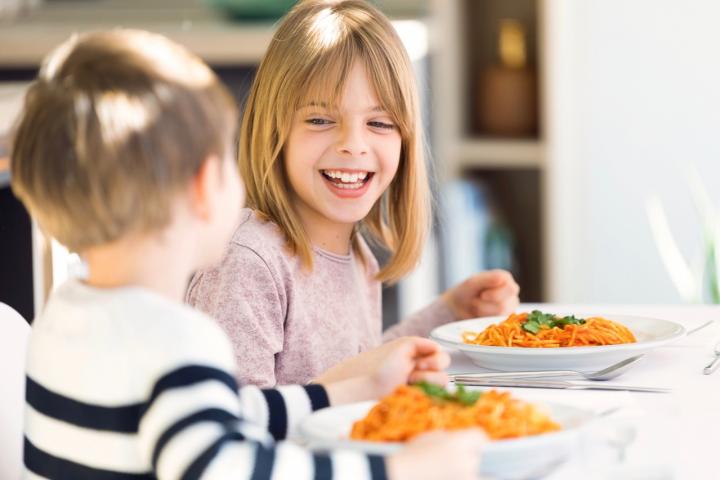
(308, 60)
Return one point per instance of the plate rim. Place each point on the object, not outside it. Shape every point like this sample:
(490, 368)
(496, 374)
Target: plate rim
(494, 447)
(679, 332)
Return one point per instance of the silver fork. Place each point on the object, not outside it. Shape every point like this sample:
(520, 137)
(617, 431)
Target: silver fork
(612, 371)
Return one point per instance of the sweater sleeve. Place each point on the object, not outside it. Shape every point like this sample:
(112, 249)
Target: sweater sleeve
(249, 303)
(281, 410)
(193, 426)
(421, 323)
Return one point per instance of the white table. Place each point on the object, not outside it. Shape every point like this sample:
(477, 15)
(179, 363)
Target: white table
(651, 436)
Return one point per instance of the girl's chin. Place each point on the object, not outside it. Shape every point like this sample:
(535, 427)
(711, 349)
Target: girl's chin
(347, 217)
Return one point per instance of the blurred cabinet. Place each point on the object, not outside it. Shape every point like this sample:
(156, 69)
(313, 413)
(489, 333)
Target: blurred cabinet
(486, 65)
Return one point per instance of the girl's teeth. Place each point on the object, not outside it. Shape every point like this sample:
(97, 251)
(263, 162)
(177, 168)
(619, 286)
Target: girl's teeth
(347, 178)
(349, 186)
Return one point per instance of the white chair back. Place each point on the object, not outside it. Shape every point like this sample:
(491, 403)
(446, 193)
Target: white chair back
(14, 333)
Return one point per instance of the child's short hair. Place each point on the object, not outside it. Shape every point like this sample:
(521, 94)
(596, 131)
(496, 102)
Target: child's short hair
(308, 61)
(114, 127)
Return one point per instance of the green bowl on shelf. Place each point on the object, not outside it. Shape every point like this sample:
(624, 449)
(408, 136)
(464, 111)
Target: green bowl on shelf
(253, 9)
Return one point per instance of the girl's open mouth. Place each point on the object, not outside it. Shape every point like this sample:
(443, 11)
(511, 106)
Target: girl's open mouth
(347, 183)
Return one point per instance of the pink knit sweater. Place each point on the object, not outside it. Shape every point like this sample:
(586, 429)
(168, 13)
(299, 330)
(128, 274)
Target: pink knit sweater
(288, 325)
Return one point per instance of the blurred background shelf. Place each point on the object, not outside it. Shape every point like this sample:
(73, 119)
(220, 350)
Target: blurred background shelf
(214, 36)
(491, 153)
(497, 171)
(203, 30)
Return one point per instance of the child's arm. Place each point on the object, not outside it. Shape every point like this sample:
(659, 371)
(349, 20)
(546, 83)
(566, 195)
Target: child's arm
(421, 322)
(494, 292)
(367, 376)
(192, 427)
(280, 410)
(247, 300)
(375, 373)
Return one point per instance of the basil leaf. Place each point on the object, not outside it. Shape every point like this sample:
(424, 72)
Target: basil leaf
(432, 390)
(532, 327)
(537, 319)
(438, 393)
(466, 397)
(573, 320)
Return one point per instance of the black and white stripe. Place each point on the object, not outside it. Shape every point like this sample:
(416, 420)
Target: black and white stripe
(162, 407)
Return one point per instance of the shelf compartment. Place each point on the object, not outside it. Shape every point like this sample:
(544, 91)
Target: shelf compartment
(492, 153)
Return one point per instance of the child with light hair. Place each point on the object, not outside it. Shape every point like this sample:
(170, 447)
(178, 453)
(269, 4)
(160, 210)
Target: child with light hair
(331, 150)
(123, 152)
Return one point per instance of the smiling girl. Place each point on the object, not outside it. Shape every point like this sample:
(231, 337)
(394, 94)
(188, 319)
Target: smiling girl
(331, 150)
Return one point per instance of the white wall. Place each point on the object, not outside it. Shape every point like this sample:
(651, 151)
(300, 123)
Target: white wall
(633, 100)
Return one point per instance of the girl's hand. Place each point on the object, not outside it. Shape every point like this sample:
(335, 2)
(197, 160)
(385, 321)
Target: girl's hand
(375, 373)
(485, 294)
(439, 455)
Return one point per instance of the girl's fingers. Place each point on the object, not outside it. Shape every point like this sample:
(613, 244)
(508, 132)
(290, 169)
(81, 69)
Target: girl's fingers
(489, 279)
(499, 294)
(510, 305)
(438, 378)
(436, 361)
(489, 309)
(421, 346)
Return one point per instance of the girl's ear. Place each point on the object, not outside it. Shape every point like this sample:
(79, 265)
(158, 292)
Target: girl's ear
(204, 186)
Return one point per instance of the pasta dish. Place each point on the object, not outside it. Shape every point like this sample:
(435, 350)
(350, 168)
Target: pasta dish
(538, 329)
(412, 410)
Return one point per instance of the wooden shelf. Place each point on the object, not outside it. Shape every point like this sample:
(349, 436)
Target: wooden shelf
(493, 153)
(510, 170)
(213, 39)
(204, 31)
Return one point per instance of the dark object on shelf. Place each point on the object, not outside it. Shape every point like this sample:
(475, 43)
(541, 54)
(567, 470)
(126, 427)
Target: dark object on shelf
(254, 10)
(474, 235)
(518, 194)
(16, 281)
(507, 92)
(492, 219)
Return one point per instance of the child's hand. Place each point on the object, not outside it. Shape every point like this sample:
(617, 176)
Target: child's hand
(375, 373)
(439, 455)
(482, 295)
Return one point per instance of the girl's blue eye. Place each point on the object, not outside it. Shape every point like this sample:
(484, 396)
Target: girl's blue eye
(383, 125)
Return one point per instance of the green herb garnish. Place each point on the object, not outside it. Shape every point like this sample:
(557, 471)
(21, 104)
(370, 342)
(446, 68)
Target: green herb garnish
(537, 320)
(461, 395)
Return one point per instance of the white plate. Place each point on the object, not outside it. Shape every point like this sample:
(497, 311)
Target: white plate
(649, 332)
(527, 457)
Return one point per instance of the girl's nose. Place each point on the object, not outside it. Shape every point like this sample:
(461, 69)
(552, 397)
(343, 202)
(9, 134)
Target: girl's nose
(352, 142)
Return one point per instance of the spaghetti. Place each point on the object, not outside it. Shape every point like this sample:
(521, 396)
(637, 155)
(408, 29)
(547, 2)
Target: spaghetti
(409, 411)
(539, 330)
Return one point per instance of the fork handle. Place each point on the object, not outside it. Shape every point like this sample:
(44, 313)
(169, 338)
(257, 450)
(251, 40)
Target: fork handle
(535, 374)
(713, 365)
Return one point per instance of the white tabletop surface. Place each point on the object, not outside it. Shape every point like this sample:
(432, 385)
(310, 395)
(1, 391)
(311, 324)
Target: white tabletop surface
(650, 436)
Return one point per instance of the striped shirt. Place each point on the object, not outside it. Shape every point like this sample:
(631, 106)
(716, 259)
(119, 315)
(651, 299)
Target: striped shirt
(125, 384)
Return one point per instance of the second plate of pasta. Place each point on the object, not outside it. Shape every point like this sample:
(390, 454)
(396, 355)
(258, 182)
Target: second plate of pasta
(584, 342)
(527, 455)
